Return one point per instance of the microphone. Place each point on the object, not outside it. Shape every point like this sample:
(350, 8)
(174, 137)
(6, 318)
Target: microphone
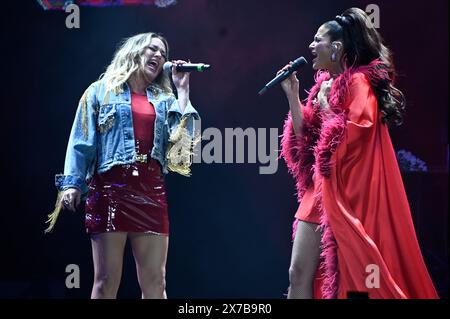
(186, 67)
(301, 61)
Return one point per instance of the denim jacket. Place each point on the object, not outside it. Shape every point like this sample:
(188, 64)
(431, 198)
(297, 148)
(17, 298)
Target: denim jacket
(102, 134)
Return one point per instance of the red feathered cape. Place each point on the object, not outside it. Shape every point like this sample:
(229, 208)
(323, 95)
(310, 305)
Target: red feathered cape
(369, 242)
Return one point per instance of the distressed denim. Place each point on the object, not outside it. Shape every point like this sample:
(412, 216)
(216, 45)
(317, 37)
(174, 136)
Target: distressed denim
(102, 134)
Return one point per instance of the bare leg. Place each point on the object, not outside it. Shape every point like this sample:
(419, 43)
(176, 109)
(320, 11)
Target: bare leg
(107, 253)
(150, 254)
(304, 261)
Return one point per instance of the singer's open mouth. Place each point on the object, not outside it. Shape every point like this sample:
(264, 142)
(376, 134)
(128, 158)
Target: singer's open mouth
(153, 65)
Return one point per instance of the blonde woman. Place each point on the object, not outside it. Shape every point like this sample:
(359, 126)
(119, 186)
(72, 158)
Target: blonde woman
(117, 155)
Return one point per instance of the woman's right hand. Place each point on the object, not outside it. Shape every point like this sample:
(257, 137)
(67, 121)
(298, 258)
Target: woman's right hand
(291, 84)
(71, 199)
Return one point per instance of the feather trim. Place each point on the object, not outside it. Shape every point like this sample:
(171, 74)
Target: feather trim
(294, 228)
(329, 259)
(53, 216)
(180, 151)
(297, 153)
(331, 135)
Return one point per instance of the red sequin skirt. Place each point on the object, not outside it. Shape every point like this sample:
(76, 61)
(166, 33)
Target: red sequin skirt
(128, 198)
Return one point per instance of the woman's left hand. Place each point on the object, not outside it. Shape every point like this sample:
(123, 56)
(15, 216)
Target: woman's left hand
(180, 79)
(322, 96)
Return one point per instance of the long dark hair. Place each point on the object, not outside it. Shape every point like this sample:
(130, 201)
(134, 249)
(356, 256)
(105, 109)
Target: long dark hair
(363, 44)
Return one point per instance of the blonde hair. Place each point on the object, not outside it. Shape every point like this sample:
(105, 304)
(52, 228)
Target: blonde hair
(128, 60)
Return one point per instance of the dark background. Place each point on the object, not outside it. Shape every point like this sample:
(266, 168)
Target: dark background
(230, 226)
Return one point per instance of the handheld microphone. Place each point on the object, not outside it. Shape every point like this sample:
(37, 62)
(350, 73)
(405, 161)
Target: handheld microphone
(186, 67)
(301, 61)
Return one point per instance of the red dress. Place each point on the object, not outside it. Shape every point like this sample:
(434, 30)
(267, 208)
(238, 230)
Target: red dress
(368, 209)
(307, 209)
(348, 177)
(131, 198)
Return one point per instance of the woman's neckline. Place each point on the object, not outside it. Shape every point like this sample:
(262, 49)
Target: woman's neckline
(140, 94)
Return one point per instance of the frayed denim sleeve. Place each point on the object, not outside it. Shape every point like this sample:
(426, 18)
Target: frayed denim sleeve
(175, 115)
(82, 146)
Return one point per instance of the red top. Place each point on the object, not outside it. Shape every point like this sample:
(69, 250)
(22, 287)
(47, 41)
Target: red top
(143, 122)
